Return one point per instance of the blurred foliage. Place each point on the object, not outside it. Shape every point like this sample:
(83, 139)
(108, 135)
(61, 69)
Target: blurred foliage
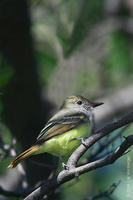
(6, 138)
(118, 64)
(90, 13)
(63, 37)
(6, 73)
(86, 78)
(74, 189)
(47, 62)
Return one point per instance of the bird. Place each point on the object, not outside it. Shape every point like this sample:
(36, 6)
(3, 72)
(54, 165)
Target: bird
(62, 133)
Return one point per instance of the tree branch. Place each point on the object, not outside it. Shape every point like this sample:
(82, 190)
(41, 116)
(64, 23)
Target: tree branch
(67, 175)
(109, 159)
(97, 136)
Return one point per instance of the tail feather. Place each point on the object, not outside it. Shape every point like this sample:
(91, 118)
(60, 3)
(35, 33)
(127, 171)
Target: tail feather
(23, 155)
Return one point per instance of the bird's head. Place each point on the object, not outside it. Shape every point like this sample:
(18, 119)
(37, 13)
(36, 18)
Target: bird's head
(80, 104)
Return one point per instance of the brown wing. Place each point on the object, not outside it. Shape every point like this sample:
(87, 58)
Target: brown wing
(59, 126)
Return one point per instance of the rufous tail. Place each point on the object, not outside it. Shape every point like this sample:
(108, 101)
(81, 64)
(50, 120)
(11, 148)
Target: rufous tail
(23, 155)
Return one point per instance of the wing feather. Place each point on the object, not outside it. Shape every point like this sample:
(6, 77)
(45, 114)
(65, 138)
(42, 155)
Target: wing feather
(59, 126)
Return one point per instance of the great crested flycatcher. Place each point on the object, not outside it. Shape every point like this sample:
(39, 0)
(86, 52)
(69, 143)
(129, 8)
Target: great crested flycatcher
(59, 135)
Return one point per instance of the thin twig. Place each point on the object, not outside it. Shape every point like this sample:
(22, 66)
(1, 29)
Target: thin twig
(105, 193)
(104, 145)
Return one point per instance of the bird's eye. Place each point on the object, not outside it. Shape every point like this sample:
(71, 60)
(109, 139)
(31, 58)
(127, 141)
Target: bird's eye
(79, 102)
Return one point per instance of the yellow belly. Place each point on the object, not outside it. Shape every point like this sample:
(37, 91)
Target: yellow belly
(64, 144)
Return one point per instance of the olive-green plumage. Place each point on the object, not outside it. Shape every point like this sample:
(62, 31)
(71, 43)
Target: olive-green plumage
(59, 135)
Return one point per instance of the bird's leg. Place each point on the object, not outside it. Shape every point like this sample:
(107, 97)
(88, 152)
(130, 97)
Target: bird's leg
(63, 164)
(83, 141)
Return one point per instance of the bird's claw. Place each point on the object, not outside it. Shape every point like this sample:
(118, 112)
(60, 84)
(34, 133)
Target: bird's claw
(83, 141)
(65, 166)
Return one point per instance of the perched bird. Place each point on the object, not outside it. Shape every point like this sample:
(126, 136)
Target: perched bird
(59, 135)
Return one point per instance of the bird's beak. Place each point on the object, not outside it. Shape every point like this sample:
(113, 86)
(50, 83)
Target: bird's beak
(96, 104)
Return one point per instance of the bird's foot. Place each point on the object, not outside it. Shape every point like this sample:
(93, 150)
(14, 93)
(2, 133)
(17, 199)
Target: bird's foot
(65, 166)
(83, 141)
